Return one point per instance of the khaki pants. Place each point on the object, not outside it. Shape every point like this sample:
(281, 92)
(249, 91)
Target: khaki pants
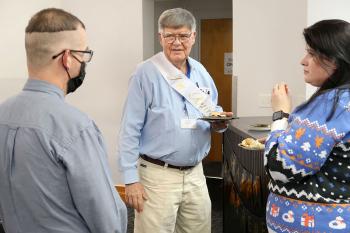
(178, 201)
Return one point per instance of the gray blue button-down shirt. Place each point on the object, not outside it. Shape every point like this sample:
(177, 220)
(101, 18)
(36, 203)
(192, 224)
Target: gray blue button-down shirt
(54, 175)
(151, 122)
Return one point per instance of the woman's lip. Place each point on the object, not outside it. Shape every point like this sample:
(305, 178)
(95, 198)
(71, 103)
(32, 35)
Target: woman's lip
(306, 72)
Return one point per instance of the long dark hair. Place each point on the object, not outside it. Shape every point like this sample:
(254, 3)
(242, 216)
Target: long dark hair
(330, 41)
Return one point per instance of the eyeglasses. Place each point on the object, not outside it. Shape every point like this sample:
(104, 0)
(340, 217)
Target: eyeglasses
(86, 55)
(183, 37)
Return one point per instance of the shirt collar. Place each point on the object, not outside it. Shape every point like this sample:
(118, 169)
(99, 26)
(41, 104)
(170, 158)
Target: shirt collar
(188, 74)
(43, 86)
(190, 63)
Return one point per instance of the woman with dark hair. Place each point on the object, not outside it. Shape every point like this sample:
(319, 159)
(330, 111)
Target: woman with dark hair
(307, 153)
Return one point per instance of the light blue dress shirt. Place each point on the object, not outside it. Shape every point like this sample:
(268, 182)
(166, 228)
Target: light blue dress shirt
(54, 175)
(151, 122)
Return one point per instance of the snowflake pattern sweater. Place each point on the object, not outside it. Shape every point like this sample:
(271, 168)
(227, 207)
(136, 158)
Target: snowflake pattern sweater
(309, 167)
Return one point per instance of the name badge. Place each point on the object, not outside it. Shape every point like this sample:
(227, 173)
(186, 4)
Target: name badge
(188, 123)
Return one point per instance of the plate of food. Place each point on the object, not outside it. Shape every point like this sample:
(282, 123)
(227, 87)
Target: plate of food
(251, 144)
(217, 116)
(260, 127)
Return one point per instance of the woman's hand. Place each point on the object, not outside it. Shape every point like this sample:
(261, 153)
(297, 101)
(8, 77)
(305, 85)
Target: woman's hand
(280, 98)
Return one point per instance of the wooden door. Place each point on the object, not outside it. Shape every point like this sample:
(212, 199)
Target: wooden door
(215, 41)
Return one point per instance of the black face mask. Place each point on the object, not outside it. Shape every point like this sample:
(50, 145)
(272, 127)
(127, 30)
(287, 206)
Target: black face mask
(74, 83)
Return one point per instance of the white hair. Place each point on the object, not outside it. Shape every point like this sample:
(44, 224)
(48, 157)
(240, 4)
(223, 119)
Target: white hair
(176, 18)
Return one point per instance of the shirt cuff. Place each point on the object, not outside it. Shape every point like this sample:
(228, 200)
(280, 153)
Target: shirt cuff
(131, 176)
(281, 124)
(221, 130)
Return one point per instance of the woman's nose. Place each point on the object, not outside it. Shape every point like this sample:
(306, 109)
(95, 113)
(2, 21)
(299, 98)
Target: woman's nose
(303, 61)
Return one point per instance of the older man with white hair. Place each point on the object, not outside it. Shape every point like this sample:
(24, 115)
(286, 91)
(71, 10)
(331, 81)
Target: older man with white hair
(162, 142)
(54, 174)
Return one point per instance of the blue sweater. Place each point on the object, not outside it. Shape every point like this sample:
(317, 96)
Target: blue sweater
(309, 167)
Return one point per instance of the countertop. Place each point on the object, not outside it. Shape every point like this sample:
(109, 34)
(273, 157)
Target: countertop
(242, 125)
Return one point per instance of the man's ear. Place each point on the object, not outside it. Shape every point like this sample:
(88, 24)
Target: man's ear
(66, 59)
(194, 37)
(160, 38)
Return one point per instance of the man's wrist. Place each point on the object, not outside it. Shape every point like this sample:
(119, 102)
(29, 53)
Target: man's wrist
(130, 176)
(221, 129)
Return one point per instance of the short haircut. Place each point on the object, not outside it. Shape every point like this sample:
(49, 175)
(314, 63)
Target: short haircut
(45, 32)
(176, 18)
(53, 20)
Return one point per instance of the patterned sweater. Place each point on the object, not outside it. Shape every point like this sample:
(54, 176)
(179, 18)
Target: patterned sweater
(309, 167)
(310, 160)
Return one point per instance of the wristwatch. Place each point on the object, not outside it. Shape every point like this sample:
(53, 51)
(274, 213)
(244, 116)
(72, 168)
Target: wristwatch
(279, 115)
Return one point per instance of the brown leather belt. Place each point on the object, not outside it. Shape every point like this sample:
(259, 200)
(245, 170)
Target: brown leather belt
(163, 164)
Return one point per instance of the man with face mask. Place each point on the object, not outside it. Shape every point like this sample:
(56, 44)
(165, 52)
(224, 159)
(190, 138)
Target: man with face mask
(54, 175)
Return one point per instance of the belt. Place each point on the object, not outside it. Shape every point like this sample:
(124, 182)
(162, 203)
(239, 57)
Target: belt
(164, 164)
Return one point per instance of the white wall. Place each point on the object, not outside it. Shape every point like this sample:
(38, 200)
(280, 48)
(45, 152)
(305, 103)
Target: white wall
(324, 9)
(14, 16)
(268, 46)
(114, 30)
